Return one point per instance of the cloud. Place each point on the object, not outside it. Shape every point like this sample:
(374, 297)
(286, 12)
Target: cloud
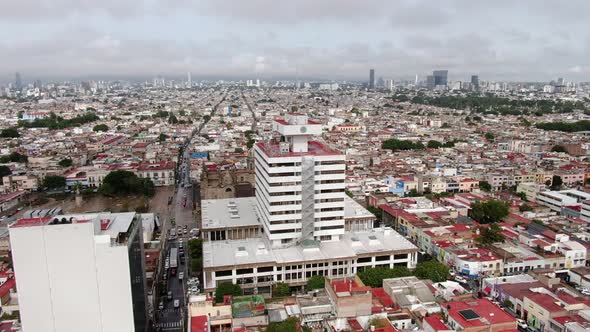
(502, 39)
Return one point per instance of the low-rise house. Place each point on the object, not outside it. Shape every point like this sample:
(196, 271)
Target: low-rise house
(477, 315)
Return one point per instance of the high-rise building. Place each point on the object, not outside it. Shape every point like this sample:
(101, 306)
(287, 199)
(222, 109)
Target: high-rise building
(440, 77)
(475, 82)
(300, 223)
(18, 83)
(287, 174)
(81, 272)
(189, 79)
(430, 82)
(372, 79)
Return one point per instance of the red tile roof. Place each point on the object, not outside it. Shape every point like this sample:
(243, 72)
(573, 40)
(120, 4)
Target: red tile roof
(28, 222)
(7, 286)
(548, 302)
(199, 324)
(483, 307)
(313, 148)
(436, 323)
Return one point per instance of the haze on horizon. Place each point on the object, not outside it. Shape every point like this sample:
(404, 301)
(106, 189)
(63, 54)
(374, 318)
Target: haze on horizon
(529, 40)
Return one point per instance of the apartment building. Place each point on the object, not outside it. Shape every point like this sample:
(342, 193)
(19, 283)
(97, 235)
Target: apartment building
(82, 272)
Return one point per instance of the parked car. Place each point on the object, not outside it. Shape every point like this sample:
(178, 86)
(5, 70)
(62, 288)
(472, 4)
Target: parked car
(176, 303)
(460, 279)
(169, 295)
(180, 275)
(161, 305)
(522, 324)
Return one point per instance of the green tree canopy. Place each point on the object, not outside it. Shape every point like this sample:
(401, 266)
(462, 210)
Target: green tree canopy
(54, 182)
(172, 119)
(126, 182)
(432, 270)
(9, 133)
(100, 127)
(525, 207)
(14, 157)
(227, 288)
(282, 289)
(290, 324)
(558, 148)
(434, 144)
(489, 235)
(489, 136)
(4, 171)
(490, 211)
(485, 186)
(396, 144)
(316, 282)
(556, 182)
(66, 162)
(162, 137)
(373, 277)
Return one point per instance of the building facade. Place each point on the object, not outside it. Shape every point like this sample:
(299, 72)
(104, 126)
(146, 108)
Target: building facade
(80, 272)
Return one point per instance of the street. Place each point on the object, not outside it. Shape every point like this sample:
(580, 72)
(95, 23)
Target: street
(180, 217)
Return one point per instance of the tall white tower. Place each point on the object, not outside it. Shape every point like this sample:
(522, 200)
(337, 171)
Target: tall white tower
(299, 185)
(188, 79)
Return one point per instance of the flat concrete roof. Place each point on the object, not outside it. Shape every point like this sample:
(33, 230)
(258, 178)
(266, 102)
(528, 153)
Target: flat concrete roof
(352, 209)
(257, 251)
(229, 212)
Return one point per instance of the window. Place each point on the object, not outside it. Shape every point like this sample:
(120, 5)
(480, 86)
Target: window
(245, 271)
(265, 269)
(364, 260)
(224, 273)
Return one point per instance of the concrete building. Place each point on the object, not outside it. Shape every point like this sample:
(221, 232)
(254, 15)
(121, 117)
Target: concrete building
(300, 185)
(81, 272)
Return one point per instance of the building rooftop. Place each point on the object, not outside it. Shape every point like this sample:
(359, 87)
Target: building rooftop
(253, 251)
(315, 148)
(477, 312)
(229, 212)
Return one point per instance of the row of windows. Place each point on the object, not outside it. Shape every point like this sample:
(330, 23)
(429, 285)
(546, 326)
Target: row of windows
(321, 265)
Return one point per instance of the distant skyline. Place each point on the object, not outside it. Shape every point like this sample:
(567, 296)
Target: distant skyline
(529, 40)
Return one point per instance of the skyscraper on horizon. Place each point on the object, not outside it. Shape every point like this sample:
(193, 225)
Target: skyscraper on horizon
(18, 83)
(475, 82)
(372, 79)
(440, 77)
(188, 78)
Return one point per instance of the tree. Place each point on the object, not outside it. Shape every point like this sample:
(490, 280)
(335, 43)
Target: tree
(316, 282)
(9, 133)
(290, 324)
(54, 182)
(489, 136)
(396, 144)
(172, 119)
(374, 276)
(558, 148)
(238, 150)
(433, 270)
(522, 195)
(126, 182)
(4, 171)
(250, 143)
(227, 288)
(14, 157)
(282, 289)
(434, 144)
(100, 127)
(490, 211)
(485, 186)
(489, 235)
(162, 137)
(525, 207)
(348, 193)
(556, 182)
(66, 162)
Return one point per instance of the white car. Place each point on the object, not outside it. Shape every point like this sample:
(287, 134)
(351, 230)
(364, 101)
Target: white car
(460, 279)
(522, 324)
(180, 275)
(176, 303)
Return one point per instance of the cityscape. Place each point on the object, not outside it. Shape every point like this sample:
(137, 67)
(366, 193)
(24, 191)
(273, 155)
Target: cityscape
(441, 189)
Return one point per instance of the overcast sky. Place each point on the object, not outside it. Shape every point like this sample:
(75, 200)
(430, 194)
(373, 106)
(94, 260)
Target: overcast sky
(325, 39)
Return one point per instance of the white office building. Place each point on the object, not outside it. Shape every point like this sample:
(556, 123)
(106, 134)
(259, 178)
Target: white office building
(299, 184)
(308, 224)
(81, 272)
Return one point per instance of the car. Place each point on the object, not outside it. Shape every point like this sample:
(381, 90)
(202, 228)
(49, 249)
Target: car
(169, 295)
(460, 279)
(522, 324)
(185, 231)
(180, 275)
(176, 303)
(161, 305)
(586, 292)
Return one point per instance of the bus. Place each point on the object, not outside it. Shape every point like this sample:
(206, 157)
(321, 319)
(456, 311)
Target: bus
(173, 261)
